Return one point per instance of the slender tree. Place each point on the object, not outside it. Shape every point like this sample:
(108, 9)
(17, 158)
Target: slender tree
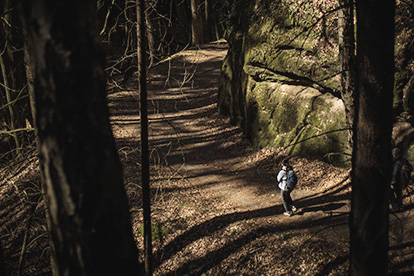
(2, 264)
(347, 59)
(81, 172)
(181, 13)
(150, 37)
(208, 20)
(142, 80)
(196, 23)
(371, 168)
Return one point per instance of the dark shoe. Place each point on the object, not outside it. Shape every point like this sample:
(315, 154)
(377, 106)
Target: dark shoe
(394, 210)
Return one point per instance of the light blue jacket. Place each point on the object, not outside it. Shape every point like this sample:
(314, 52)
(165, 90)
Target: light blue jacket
(282, 179)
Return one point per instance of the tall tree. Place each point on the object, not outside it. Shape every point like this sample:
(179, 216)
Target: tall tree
(150, 37)
(196, 23)
(181, 13)
(81, 172)
(142, 80)
(2, 265)
(209, 20)
(347, 59)
(371, 168)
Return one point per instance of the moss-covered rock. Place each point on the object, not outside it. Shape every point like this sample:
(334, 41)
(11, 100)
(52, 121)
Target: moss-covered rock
(281, 78)
(305, 121)
(269, 77)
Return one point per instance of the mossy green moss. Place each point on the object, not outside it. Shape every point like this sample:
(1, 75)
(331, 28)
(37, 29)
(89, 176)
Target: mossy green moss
(158, 231)
(315, 145)
(410, 154)
(305, 121)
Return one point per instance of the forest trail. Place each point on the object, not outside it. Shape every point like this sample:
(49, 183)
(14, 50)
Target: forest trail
(214, 192)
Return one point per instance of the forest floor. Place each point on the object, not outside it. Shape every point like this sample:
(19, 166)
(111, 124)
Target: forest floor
(216, 206)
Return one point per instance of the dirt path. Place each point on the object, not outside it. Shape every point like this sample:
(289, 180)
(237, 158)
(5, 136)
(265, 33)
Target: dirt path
(213, 194)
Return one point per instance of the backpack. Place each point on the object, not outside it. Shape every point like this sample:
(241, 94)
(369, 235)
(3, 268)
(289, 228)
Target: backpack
(292, 179)
(406, 171)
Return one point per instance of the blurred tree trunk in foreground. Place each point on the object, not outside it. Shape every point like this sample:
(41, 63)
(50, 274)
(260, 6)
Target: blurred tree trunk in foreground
(371, 168)
(2, 265)
(82, 175)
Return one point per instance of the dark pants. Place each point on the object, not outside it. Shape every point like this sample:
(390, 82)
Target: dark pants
(396, 197)
(287, 200)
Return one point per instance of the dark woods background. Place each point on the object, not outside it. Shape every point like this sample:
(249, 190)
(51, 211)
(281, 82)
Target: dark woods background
(69, 103)
(169, 30)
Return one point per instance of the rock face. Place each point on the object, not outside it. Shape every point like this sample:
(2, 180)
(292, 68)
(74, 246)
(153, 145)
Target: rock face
(305, 121)
(280, 81)
(403, 137)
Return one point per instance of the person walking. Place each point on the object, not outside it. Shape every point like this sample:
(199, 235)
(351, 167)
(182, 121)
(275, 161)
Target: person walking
(401, 174)
(286, 186)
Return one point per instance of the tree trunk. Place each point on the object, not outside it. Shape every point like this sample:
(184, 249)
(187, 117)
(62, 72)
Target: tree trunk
(81, 172)
(151, 39)
(371, 168)
(347, 59)
(142, 80)
(182, 14)
(196, 23)
(215, 18)
(209, 20)
(2, 264)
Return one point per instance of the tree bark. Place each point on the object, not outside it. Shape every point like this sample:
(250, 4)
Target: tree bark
(150, 38)
(196, 23)
(182, 14)
(209, 20)
(2, 264)
(142, 80)
(81, 171)
(371, 168)
(347, 59)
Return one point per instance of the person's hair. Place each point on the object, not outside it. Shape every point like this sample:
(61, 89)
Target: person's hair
(396, 152)
(285, 162)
